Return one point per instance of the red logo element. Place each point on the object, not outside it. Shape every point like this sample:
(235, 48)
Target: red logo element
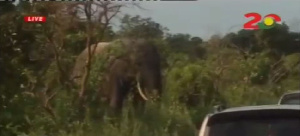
(35, 19)
(256, 23)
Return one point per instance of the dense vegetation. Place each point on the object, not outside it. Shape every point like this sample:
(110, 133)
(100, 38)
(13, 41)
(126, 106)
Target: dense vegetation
(38, 98)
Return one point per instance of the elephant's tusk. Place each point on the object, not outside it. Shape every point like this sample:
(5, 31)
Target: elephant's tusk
(141, 92)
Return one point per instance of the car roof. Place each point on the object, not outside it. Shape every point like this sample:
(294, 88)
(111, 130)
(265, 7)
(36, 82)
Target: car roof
(294, 92)
(262, 107)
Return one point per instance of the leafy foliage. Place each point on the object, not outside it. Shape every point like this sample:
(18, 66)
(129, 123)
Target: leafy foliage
(37, 98)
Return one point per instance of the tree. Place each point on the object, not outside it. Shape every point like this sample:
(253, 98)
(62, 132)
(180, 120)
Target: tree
(140, 27)
(184, 43)
(15, 50)
(6, 7)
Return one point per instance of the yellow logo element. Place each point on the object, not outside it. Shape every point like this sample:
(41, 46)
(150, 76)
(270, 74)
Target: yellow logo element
(268, 21)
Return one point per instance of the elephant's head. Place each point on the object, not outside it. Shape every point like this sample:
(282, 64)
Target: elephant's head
(146, 60)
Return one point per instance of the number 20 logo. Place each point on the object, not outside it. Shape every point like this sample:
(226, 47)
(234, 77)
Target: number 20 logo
(269, 21)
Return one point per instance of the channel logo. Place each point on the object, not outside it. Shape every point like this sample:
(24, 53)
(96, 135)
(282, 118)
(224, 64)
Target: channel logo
(268, 21)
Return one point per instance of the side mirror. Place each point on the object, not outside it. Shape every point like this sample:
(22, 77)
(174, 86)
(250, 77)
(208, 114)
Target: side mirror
(219, 108)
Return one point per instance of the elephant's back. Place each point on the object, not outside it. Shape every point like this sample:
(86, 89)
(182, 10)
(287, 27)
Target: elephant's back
(100, 47)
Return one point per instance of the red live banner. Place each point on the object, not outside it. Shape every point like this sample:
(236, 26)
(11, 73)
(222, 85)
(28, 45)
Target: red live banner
(35, 19)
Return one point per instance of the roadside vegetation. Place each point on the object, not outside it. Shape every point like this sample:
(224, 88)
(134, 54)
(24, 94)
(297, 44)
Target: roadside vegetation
(39, 99)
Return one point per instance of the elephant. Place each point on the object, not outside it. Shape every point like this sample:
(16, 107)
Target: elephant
(137, 71)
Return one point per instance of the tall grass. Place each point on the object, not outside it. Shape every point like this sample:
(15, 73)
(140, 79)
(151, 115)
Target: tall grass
(156, 120)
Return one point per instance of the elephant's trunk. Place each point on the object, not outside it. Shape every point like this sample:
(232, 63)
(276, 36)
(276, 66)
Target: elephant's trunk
(141, 91)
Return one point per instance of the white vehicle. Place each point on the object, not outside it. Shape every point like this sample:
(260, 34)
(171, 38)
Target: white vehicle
(267, 120)
(290, 98)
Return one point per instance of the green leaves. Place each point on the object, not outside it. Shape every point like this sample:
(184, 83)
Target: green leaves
(291, 61)
(243, 68)
(136, 26)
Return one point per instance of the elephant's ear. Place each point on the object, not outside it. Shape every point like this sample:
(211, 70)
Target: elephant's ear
(80, 62)
(111, 60)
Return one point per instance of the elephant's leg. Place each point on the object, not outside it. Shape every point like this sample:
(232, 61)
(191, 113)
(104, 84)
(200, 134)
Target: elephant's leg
(116, 101)
(119, 93)
(115, 105)
(138, 102)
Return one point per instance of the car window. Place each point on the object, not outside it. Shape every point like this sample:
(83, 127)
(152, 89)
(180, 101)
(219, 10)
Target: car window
(274, 127)
(239, 128)
(293, 102)
(291, 99)
(255, 126)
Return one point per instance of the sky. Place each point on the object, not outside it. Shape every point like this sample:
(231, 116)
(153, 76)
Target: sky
(205, 18)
